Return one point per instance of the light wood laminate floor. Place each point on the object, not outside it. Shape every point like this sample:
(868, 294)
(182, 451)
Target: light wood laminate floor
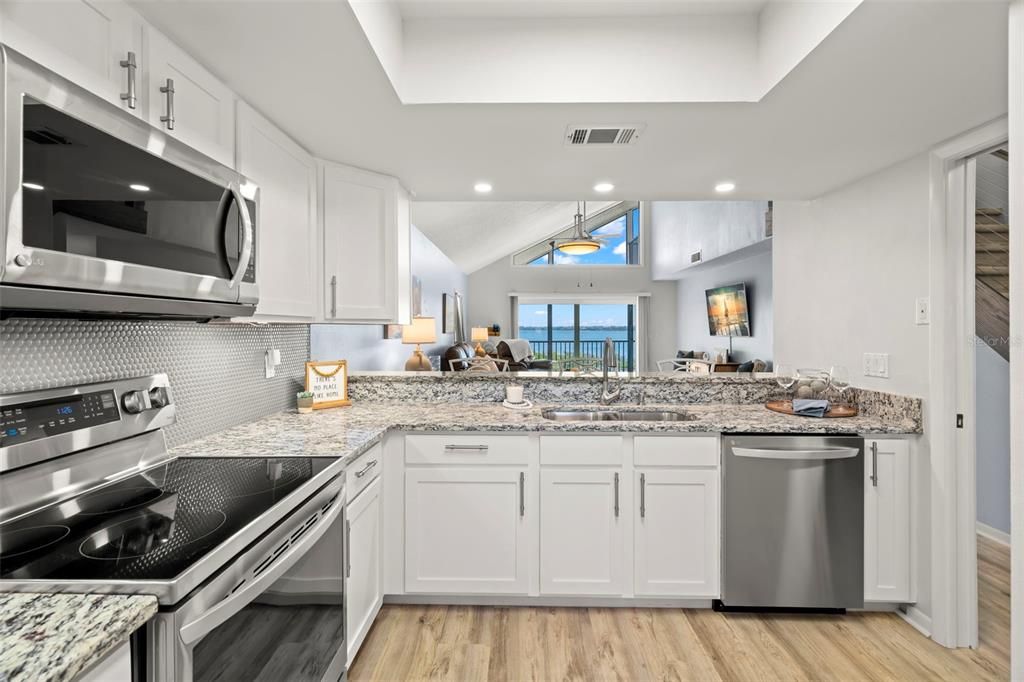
(517, 643)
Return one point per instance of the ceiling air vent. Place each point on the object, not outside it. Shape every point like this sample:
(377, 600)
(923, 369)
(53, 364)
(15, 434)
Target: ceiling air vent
(695, 257)
(603, 135)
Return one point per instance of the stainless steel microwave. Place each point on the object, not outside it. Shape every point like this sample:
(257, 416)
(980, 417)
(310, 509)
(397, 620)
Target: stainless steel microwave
(102, 214)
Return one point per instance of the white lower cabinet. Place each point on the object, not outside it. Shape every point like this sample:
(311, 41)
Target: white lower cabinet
(363, 586)
(887, 536)
(466, 530)
(581, 532)
(676, 532)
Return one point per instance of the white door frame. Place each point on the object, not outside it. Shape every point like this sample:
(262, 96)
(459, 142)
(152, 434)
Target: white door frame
(1016, 173)
(953, 506)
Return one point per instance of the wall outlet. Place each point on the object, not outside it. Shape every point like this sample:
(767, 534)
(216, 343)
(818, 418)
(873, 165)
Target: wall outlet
(922, 310)
(876, 365)
(271, 359)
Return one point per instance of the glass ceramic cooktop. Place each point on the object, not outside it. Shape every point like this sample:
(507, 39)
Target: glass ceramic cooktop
(151, 526)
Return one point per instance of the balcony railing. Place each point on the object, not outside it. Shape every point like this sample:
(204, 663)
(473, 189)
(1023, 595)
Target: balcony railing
(562, 350)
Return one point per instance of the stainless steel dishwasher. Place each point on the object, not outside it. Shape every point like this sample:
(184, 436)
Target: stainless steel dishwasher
(793, 520)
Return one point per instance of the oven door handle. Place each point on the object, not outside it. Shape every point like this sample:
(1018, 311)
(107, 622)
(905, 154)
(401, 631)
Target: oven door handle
(226, 608)
(247, 236)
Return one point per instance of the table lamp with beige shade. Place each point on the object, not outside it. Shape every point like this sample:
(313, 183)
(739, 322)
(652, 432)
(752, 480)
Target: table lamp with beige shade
(422, 330)
(479, 334)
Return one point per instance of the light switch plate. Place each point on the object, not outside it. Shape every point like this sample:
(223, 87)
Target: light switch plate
(876, 365)
(922, 310)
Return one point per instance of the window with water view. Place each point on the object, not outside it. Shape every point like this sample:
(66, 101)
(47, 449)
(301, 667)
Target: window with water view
(560, 331)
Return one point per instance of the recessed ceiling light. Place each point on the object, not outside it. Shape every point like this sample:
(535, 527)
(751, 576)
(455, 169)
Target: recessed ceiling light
(32, 185)
(604, 187)
(482, 187)
(724, 187)
(139, 188)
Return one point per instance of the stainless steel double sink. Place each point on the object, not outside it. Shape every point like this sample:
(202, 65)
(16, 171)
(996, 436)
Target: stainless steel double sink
(612, 415)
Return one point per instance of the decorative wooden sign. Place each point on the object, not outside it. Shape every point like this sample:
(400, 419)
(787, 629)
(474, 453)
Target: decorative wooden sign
(328, 382)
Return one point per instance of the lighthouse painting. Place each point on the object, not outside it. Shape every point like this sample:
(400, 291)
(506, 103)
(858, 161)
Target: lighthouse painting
(727, 311)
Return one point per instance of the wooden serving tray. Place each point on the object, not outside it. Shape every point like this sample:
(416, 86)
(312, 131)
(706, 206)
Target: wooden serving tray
(835, 412)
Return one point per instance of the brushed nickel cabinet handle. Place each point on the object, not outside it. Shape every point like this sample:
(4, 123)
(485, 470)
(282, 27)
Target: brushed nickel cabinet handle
(369, 465)
(874, 463)
(643, 495)
(616, 495)
(348, 548)
(131, 66)
(473, 448)
(168, 89)
(522, 494)
(334, 295)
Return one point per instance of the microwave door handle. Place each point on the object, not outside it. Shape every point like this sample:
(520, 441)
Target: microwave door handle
(247, 237)
(216, 615)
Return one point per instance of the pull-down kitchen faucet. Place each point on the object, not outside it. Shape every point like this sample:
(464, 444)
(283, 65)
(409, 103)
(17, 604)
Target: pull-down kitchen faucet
(609, 360)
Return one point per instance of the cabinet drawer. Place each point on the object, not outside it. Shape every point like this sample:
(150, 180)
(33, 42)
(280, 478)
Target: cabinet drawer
(676, 451)
(581, 450)
(362, 472)
(466, 449)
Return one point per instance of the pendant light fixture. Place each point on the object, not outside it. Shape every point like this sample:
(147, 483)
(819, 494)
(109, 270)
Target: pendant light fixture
(580, 243)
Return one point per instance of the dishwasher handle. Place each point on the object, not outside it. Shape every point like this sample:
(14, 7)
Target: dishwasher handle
(813, 454)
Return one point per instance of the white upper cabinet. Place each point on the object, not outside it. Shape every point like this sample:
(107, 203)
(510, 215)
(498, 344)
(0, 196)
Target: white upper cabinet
(286, 225)
(200, 111)
(887, 537)
(82, 40)
(365, 246)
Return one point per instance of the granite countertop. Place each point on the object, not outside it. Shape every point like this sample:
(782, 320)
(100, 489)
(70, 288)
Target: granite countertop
(350, 431)
(46, 637)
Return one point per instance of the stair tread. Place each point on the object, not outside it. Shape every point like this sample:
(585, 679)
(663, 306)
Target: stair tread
(987, 241)
(993, 270)
(988, 211)
(998, 283)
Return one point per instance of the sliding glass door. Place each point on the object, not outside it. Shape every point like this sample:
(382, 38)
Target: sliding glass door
(560, 331)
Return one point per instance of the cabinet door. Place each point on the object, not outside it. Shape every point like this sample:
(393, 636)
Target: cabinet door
(676, 532)
(581, 536)
(887, 521)
(363, 587)
(286, 223)
(366, 239)
(203, 107)
(82, 40)
(466, 531)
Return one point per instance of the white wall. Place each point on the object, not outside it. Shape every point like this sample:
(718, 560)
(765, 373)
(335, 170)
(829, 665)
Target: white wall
(715, 228)
(490, 286)
(847, 269)
(364, 346)
(692, 321)
(993, 438)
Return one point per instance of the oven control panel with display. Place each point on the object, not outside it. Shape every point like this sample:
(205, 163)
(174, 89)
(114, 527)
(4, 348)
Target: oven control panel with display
(30, 421)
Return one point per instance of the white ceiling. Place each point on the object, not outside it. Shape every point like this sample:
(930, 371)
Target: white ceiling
(528, 52)
(893, 79)
(519, 9)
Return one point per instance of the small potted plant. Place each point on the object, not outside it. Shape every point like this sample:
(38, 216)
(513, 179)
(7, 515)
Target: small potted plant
(304, 401)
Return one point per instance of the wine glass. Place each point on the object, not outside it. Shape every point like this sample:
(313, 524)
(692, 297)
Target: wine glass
(785, 376)
(839, 378)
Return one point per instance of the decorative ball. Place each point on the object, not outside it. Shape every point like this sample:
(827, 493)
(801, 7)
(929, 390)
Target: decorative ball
(804, 392)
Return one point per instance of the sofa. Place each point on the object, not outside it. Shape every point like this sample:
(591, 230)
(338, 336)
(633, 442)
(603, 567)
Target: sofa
(524, 363)
(459, 351)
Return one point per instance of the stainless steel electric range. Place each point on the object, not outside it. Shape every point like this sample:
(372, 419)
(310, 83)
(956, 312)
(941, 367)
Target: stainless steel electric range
(245, 555)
